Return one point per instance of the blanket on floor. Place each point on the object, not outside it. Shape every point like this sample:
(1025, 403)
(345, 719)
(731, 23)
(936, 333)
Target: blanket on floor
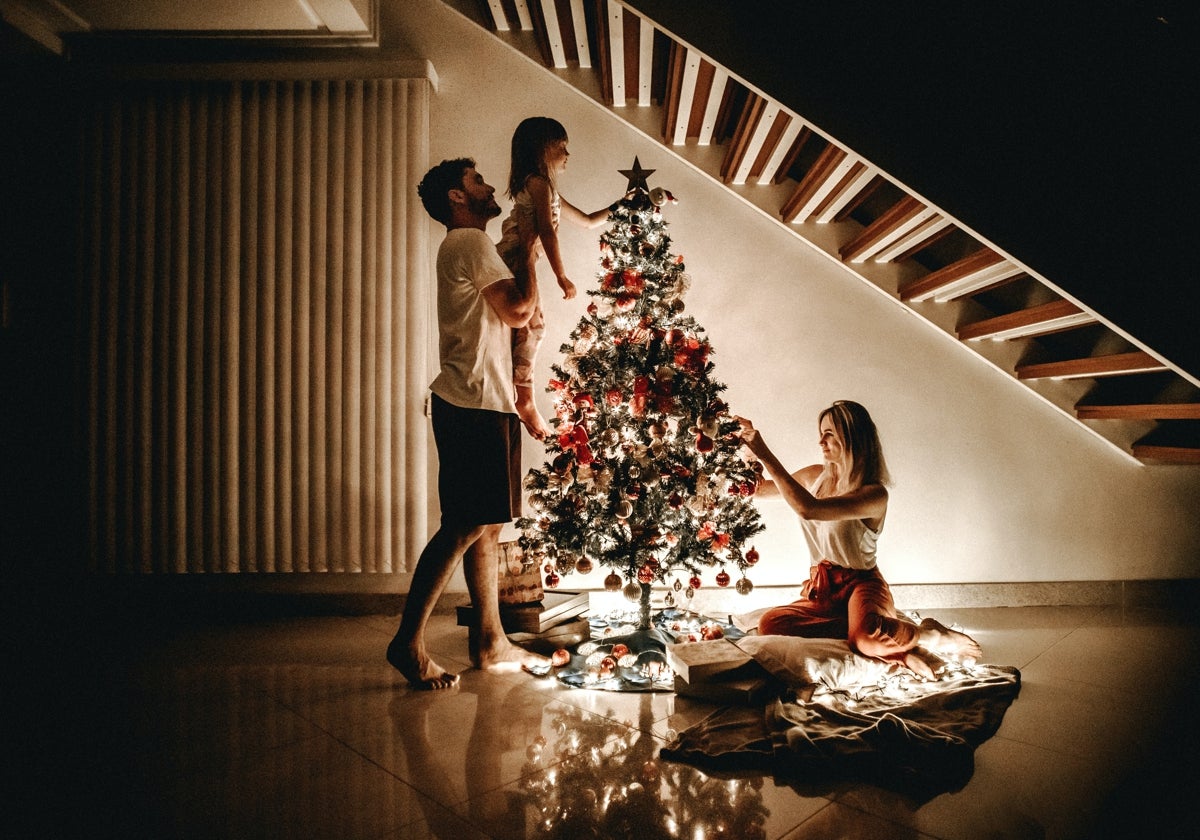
(842, 717)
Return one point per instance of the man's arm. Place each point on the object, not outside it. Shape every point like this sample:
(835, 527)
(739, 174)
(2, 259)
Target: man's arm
(515, 299)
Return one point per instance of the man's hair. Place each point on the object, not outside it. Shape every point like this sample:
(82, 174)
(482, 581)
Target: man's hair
(435, 187)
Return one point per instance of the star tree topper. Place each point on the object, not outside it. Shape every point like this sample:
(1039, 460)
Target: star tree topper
(637, 176)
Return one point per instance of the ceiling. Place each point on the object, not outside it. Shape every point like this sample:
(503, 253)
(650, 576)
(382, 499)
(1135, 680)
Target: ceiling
(54, 22)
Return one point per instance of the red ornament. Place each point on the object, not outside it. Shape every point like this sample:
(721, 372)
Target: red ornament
(722, 578)
(552, 580)
(614, 397)
(584, 401)
(625, 301)
(620, 650)
(646, 574)
(560, 657)
(703, 442)
(694, 581)
(583, 565)
(752, 556)
(613, 582)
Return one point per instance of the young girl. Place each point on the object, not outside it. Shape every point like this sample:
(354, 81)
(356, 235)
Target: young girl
(842, 503)
(539, 156)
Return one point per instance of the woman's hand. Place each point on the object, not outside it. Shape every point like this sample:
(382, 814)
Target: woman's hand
(750, 436)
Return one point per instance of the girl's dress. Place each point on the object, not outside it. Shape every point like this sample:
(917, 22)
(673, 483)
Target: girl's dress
(526, 339)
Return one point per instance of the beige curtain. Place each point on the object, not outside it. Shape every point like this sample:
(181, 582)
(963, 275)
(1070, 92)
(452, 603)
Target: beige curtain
(258, 312)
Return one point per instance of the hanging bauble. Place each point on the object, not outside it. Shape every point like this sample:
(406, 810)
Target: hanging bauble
(612, 582)
(677, 586)
(552, 580)
(722, 578)
(744, 586)
(624, 510)
(632, 592)
(752, 556)
(583, 565)
(669, 599)
(689, 592)
(646, 574)
(660, 196)
(694, 582)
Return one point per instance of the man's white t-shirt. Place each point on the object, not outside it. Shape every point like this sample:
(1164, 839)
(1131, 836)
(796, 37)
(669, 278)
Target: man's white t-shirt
(474, 345)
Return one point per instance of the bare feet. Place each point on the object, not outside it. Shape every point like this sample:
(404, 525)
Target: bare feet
(416, 667)
(924, 663)
(530, 418)
(936, 636)
(503, 656)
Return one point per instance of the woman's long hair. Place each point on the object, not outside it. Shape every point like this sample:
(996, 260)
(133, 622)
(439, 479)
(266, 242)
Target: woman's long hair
(860, 438)
(529, 144)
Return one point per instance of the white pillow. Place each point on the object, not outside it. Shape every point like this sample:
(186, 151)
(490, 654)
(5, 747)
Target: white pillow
(798, 661)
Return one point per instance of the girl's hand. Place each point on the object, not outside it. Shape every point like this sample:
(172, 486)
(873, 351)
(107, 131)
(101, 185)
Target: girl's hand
(568, 288)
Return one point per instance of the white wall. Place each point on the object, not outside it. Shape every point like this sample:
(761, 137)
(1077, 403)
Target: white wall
(991, 485)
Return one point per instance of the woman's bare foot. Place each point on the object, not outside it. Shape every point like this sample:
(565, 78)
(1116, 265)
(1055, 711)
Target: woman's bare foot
(503, 656)
(416, 667)
(924, 663)
(936, 636)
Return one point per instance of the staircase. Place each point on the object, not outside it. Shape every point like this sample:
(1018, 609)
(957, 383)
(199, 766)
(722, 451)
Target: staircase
(1114, 386)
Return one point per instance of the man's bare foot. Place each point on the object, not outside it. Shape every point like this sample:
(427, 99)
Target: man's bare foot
(503, 656)
(938, 637)
(924, 663)
(421, 671)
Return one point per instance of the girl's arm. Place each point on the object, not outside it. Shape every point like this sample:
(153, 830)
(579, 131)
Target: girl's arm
(584, 220)
(539, 192)
(867, 502)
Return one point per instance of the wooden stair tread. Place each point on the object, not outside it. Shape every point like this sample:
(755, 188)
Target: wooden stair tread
(1037, 320)
(1116, 364)
(1140, 411)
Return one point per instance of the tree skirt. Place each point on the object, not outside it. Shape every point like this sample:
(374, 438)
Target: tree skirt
(620, 657)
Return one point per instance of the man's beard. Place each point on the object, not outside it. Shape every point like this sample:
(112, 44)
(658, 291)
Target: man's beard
(485, 207)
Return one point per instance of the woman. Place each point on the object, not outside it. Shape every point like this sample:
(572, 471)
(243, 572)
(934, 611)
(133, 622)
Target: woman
(842, 504)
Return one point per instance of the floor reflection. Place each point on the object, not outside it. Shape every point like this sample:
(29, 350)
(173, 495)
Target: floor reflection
(580, 774)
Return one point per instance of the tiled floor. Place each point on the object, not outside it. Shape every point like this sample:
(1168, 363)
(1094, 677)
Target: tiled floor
(297, 728)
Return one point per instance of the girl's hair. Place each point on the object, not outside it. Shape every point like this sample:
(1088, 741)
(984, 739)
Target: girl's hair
(857, 430)
(529, 144)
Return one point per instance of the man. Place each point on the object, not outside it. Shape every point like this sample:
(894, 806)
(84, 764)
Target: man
(475, 424)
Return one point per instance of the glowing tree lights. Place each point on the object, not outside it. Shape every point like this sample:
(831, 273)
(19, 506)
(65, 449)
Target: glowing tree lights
(645, 476)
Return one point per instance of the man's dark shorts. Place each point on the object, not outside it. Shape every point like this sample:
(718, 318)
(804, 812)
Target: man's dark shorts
(479, 464)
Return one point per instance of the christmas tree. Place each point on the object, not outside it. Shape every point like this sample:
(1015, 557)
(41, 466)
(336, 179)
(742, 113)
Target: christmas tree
(646, 475)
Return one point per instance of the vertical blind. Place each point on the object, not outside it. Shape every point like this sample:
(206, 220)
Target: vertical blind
(258, 318)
